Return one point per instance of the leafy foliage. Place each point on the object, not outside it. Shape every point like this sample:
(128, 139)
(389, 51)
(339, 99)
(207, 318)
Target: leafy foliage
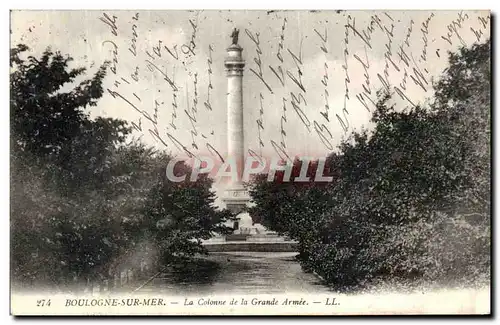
(410, 200)
(83, 197)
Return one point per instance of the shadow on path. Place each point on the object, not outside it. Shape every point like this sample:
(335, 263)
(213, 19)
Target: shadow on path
(238, 272)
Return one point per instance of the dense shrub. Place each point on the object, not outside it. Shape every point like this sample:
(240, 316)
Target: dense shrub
(85, 198)
(410, 200)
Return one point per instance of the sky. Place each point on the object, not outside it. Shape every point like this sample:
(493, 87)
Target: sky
(310, 78)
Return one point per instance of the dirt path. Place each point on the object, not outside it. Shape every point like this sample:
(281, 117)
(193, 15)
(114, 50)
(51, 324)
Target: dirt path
(239, 272)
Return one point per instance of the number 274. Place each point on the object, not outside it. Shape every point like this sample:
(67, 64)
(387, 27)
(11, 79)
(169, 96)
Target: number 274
(42, 303)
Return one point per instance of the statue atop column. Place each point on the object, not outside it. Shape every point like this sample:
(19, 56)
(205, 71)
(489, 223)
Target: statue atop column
(234, 36)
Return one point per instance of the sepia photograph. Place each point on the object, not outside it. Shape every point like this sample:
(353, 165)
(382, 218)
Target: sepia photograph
(250, 162)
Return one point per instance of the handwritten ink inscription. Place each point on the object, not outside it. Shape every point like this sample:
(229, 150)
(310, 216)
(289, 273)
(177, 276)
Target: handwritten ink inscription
(307, 81)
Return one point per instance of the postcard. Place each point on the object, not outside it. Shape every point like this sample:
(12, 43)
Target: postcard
(250, 162)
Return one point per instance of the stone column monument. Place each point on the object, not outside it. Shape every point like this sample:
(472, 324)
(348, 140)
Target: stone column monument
(236, 197)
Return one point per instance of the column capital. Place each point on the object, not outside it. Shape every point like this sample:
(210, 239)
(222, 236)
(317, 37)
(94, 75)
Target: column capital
(234, 59)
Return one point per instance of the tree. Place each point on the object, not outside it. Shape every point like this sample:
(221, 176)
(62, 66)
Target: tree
(177, 216)
(293, 209)
(84, 197)
(410, 199)
(59, 162)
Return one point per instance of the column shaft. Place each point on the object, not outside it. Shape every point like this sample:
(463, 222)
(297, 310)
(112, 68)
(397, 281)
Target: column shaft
(235, 137)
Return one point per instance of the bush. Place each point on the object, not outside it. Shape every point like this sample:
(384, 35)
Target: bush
(85, 198)
(410, 201)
